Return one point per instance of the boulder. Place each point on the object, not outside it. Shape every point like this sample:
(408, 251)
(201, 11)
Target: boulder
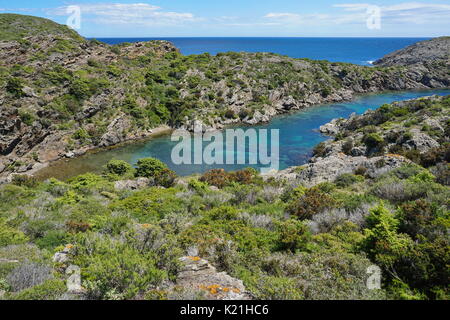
(199, 274)
(136, 184)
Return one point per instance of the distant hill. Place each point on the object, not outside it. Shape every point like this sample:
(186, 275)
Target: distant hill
(437, 49)
(18, 27)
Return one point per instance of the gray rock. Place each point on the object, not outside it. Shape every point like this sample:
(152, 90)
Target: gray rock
(60, 257)
(136, 184)
(329, 168)
(421, 142)
(197, 273)
(74, 280)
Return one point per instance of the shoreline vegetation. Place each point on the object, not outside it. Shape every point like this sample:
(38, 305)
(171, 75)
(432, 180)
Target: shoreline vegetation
(64, 94)
(374, 197)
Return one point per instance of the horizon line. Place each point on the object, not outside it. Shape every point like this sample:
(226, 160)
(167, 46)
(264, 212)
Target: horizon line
(265, 37)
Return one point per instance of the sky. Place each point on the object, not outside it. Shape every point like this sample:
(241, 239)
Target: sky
(243, 18)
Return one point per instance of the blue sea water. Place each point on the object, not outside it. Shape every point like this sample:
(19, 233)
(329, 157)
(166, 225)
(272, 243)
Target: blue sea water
(352, 50)
(298, 136)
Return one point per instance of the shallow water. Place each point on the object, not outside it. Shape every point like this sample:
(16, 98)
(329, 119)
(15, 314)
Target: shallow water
(298, 136)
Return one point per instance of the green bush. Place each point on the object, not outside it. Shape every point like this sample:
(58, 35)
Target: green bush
(49, 290)
(293, 235)
(10, 235)
(15, 87)
(119, 167)
(24, 181)
(312, 202)
(165, 178)
(277, 288)
(373, 141)
(149, 167)
(382, 242)
(79, 88)
(347, 179)
(114, 268)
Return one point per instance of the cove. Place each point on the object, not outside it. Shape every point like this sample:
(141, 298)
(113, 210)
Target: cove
(298, 136)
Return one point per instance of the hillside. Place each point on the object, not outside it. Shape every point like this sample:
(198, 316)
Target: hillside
(62, 95)
(436, 50)
(142, 233)
(15, 27)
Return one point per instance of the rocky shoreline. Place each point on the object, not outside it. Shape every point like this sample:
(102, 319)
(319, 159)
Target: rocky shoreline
(359, 146)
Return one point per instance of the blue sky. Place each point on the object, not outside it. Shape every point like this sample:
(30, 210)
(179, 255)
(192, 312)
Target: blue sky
(281, 18)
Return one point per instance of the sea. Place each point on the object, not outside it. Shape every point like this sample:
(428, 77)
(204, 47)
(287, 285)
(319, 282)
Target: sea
(362, 51)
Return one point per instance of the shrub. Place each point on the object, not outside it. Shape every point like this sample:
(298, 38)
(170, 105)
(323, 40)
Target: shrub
(15, 87)
(28, 275)
(277, 288)
(149, 167)
(245, 176)
(293, 235)
(223, 213)
(416, 217)
(82, 135)
(382, 242)
(10, 235)
(347, 146)
(79, 88)
(311, 203)
(216, 177)
(373, 141)
(23, 180)
(52, 239)
(198, 186)
(442, 173)
(49, 290)
(26, 117)
(112, 267)
(347, 179)
(165, 178)
(230, 114)
(319, 150)
(325, 274)
(119, 167)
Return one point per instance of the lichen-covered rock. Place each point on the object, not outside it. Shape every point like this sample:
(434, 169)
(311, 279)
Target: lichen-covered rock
(199, 274)
(136, 184)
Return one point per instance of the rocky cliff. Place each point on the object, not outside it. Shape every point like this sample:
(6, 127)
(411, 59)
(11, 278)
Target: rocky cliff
(61, 95)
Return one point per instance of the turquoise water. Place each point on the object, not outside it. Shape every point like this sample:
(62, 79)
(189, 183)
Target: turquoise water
(353, 50)
(298, 136)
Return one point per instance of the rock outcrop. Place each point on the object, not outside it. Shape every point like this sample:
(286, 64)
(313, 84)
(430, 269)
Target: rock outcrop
(198, 274)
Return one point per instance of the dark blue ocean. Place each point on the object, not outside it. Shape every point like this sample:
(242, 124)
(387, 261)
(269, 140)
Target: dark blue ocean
(353, 50)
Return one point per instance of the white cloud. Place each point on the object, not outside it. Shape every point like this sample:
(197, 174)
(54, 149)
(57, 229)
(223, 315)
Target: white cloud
(282, 15)
(407, 12)
(356, 13)
(130, 14)
(298, 19)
